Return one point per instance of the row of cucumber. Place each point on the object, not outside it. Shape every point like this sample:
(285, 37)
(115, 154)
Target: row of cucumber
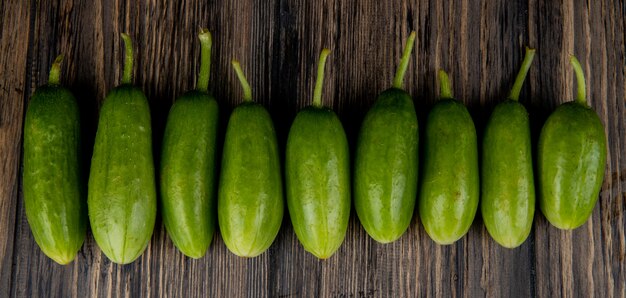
(122, 194)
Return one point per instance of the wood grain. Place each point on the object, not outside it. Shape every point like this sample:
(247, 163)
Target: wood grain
(480, 44)
(14, 89)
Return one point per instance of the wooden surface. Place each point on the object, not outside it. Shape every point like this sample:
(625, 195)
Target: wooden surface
(480, 43)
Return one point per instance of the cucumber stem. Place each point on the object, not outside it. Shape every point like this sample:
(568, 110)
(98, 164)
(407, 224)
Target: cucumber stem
(444, 82)
(521, 75)
(206, 42)
(247, 92)
(581, 94)
(55, 71)
(127, 76)
(317, 92)
(404, 61)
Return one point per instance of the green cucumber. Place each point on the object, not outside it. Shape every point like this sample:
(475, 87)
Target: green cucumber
(571, 160)
(122, 192)
(250, 195)
(188, 164)
(53, 195)
(318, 175)
(450, 187)
(508, 189)
(386, 161)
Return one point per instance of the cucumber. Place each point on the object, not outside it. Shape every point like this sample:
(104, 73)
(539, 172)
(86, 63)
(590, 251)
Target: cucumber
(318, 175)
(450, 187)
(188, 204)
(122, 193)
(571, 160)
(508, 189)
(386, 161)
(53, 196)
(250, 196)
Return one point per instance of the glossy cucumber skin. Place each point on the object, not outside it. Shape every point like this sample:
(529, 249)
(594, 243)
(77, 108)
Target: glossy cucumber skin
(250, 196)
(386, 163)
(53, 194)
(450, 184)
(122, 191)
(571, 162)
(317, 172)
(188, 203)
(508, 189)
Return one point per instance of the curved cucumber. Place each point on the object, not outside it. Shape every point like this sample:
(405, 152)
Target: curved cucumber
(450, 187)
(188, 165)
(508, 189)
(386, 162)
(318, 176)
(571, 160)
(250, 195)
(122, 192)
(53, 195)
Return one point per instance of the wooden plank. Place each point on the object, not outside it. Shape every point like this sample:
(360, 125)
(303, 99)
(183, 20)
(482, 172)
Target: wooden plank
(14, 34)
(278, 42)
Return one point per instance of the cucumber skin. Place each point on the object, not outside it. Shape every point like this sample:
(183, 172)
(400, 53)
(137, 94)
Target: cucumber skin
(450, 179)
(53, 195)
(571, 162)
(188, 188)
(386, 163)
(318, 180)
(250, 196)
(122, 192)
(508, 189)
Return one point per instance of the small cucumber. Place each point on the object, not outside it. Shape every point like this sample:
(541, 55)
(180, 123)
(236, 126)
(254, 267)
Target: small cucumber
(508, 189)
(572, 160)
(53, 195)
(386, 162)
(122, 191)
(450, 187)
(188, 164)
(318, 175)
(250, 196)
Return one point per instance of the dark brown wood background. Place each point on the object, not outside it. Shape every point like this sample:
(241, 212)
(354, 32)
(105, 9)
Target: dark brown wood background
(480, 43)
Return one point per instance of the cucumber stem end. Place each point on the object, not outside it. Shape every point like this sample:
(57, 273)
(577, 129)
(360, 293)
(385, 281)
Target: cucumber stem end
(521, 75)
(317, 92)
(404, 61)
(54, 77)
(581, 94)
(247, 91)
(206, 43)
(127, 76)
(444, 81)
